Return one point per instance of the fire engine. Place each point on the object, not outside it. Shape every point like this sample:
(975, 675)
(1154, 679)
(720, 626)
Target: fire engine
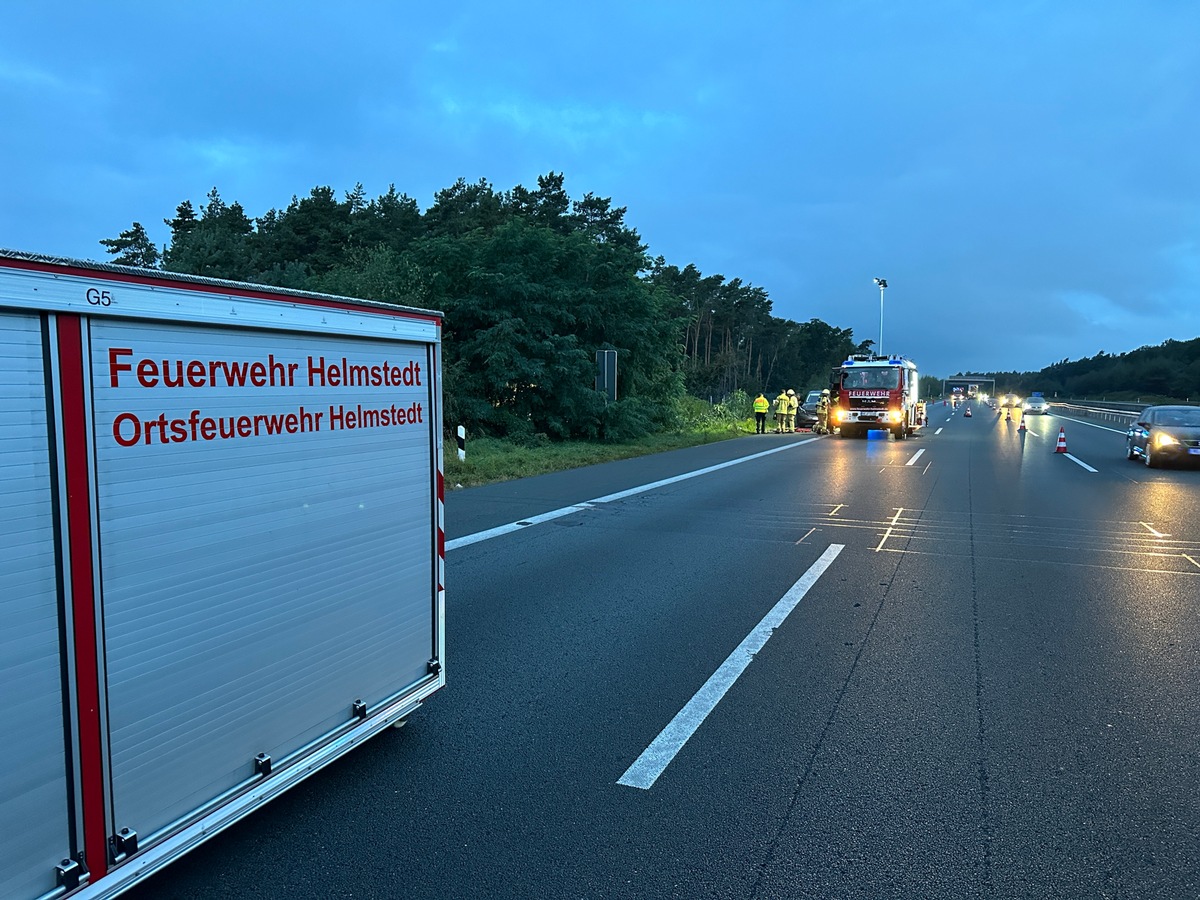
(877, 392)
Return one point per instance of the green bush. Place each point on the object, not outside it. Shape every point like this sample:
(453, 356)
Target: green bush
(736, 407)
(731, 413)
(692, 413)
(627, 420)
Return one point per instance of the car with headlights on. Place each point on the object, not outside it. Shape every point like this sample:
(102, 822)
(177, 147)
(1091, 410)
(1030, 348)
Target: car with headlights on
(1010, 400)
(1165, 434)
(1035, 406)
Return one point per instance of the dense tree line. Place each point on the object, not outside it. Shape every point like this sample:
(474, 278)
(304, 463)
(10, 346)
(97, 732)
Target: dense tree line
(532, 284)
(1166, 371)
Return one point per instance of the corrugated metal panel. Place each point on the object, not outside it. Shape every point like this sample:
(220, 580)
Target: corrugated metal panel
(253, 587)
(156, 295)
(34, 805)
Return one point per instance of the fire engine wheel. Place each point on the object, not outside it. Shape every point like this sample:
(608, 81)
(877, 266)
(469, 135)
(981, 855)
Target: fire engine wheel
(848, 431)
(901, 432)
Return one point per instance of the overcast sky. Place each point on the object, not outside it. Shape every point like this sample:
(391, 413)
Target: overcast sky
(1025, 175)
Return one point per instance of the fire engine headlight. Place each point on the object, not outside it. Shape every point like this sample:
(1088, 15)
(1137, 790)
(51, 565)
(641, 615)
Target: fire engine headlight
(838, 415)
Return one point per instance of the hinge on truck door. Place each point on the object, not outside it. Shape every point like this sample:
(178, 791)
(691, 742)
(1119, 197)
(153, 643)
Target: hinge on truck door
(358, 709)
(262, 764)
(435, 666)
(124, 843)
(68, 874)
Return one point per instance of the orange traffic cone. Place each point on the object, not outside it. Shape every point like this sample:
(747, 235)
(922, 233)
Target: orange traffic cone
(1062, 441)
(1022, 427)
(1008, 415)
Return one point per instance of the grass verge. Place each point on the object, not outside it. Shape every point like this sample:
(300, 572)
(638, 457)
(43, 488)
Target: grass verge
(490, 460)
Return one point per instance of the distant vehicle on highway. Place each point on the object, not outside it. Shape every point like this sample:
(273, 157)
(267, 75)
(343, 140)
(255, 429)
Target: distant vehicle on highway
(810, 403)
(1010, 400)
(1165, 434)
(1036, 405)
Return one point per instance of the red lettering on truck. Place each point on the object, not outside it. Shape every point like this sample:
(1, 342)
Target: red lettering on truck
(115, 367)
(129, 429)
(177, 373)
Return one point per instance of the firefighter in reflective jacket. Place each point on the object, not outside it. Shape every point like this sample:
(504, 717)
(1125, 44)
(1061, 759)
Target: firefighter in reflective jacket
(823, 413)
(761, 407)
(782, 403)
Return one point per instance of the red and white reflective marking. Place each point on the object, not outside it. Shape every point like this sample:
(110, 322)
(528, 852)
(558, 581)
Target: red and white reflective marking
(441, 529)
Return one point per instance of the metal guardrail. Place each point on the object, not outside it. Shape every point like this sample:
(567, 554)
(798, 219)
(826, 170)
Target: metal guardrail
(1107, 413)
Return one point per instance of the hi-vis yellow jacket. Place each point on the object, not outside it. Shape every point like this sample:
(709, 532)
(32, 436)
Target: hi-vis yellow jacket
(761, 403)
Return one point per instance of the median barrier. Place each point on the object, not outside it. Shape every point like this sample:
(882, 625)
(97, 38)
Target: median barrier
(1105, 414)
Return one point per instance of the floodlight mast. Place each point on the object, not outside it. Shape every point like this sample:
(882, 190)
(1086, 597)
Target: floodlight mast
(882, 282)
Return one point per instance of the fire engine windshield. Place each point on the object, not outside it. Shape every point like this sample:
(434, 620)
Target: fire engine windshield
(879, 378)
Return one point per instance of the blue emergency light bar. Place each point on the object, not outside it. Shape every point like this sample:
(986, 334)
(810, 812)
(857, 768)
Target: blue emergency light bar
(866, 360)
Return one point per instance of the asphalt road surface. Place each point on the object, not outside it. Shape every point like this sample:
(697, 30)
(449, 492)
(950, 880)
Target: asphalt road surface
(961, 665)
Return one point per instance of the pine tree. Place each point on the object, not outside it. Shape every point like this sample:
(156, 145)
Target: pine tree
(184, 222)
(133, 247)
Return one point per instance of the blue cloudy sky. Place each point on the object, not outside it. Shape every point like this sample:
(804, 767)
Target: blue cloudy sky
(1026, 175)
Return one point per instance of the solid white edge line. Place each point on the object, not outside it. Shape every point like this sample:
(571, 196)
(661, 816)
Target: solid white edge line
(1079, 462)
(662, 750)
(514, 526)
(621, 495)
(1092, 424)
(915, 457)
(499, 530)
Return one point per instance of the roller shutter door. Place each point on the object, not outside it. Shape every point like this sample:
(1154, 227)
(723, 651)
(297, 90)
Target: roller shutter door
(253, 586)
(34, 807)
